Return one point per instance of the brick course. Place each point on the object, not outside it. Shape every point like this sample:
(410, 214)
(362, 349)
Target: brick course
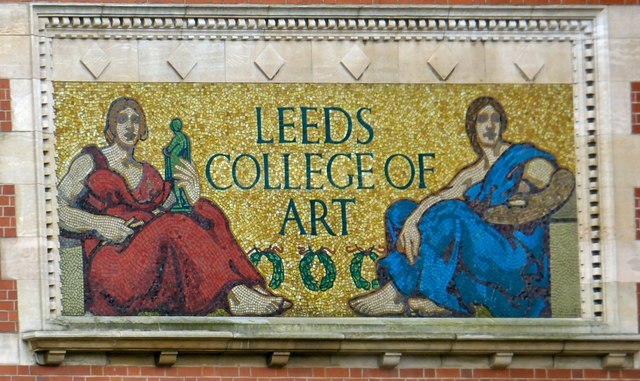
(208, 373)
(635, 107)
(7, 211)
(636, 199)
(8, 307)
(5, 105)
(8, 288)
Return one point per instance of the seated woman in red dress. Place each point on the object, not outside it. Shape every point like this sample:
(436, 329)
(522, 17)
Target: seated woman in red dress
(137, 256)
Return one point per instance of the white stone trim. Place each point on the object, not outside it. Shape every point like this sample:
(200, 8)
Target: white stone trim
(351, 24)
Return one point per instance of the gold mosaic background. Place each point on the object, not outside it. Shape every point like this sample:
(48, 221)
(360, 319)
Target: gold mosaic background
(406, 119)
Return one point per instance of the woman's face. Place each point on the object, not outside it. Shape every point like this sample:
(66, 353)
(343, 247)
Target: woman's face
(488, 126)
(127, 127)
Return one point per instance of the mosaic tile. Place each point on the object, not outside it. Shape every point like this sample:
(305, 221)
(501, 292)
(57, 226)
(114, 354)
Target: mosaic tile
(268, 158)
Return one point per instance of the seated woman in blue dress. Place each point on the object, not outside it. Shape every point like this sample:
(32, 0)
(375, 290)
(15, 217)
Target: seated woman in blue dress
(483, 240)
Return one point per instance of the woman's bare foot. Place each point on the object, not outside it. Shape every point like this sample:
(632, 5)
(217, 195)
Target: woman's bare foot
(381, 302)
(245, 301)
(286, 304)
(426, 308)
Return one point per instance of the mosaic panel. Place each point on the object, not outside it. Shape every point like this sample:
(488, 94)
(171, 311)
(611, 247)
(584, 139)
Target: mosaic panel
(317, 200)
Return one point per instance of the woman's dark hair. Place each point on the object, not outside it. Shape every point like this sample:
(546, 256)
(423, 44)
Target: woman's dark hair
(118, 106)
(472, 115)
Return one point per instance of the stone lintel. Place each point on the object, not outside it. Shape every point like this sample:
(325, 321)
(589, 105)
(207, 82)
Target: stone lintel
(51, 346)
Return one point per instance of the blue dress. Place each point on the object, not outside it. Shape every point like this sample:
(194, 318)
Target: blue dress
(465, 261)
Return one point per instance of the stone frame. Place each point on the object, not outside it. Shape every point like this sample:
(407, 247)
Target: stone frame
(279, 337)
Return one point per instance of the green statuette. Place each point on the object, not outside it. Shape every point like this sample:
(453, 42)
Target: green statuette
(356, 266)
(277, 277)
(308, 256)
(179, 148)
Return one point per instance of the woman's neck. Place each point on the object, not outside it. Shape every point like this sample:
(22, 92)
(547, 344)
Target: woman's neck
(492, 153)
(120, 154)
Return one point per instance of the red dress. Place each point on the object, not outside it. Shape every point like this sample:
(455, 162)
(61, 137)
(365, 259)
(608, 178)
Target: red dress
(175, 264)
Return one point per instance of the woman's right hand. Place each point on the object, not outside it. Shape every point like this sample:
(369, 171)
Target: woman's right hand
(409, 239)
(112, 229)
(187, 175)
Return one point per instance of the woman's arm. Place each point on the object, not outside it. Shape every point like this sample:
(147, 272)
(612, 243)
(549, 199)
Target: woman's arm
(74, 219)
(556, 187)
(409, 238)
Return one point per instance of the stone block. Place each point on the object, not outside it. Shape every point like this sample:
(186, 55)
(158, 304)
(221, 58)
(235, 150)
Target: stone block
(130, 359)
(328, 66)
(617, 97)
(467, 58)
(624, 59)
(354, 361)
(22, 111)
(258, 61)
(17, 155)
(627, 150)
(20, 257)
(230, 360)
(84, 358)
(622, 22)
(627, 249)
(188, 359)
(465, 361)
(14, 19)
(15, 57)
(27, 210)
(531, 362)
(29, 303)
(577, 362)
(239, 59)
(307, 360)
(9, 348)
(418, 362)
(554, 60)
(295, 57)
(119, 56)
(196, 60)
(626, 299)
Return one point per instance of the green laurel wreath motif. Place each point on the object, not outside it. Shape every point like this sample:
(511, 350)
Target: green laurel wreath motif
(277, 277)
(355, 268)
(329, 269)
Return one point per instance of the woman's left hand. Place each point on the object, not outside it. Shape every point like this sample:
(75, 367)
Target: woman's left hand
(516, 211)
(187, 178)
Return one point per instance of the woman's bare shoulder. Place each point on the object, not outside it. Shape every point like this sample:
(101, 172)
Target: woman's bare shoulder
(82, 165)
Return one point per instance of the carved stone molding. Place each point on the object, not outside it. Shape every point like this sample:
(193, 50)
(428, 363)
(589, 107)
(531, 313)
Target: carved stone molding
(522, 25)
(51, 346)
(507, 27)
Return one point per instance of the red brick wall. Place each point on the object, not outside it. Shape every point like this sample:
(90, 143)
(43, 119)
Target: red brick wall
(8, 288)
(7, 192)
(635, 107)
(136, 373)
(637, 211)
(638, 303)
(8, 306)
(7, 211)
(363, 2)
(5, 106)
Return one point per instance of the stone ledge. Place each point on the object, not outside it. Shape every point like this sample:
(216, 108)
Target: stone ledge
(386, 338)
